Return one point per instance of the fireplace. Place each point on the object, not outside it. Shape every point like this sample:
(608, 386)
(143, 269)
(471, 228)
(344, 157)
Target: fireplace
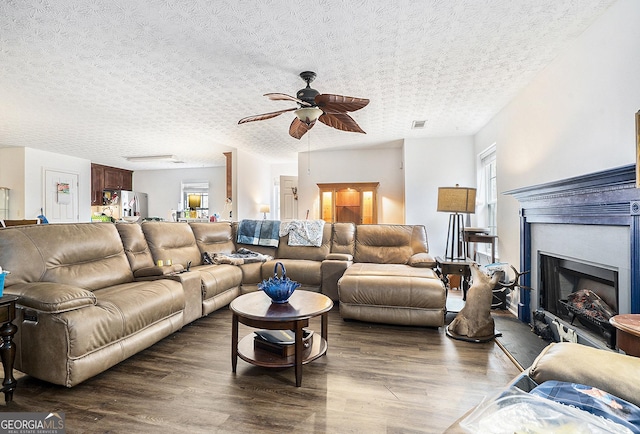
(576, 233)
(583, 294)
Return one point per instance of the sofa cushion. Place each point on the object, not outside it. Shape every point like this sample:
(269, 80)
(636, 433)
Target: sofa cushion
(311, 253)
(305, 272)
(85, 255)
(214, 237)
(135, 245)
(121, 311)
(392, 270)
(218, 278)
(389, 244)
(174, 241)
(391, 285)
(343, 238)
(570, 362)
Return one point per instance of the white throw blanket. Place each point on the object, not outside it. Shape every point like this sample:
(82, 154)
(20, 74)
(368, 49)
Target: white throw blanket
(303, 232)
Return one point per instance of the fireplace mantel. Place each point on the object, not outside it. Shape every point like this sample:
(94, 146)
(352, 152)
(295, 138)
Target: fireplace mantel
(608, 197)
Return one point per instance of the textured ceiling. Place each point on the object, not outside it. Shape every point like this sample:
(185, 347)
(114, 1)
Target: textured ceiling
(104, 79)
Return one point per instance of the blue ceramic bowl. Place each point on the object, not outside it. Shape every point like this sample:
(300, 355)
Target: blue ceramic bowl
(279, 289)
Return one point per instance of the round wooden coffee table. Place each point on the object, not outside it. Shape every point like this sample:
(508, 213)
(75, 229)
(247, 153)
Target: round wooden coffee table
(628, 333)
(256, 310)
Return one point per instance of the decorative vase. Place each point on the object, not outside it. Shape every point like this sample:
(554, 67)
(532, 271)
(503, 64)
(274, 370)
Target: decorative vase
(279, 289)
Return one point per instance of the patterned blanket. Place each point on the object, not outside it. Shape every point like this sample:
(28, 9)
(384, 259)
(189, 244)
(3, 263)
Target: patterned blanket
(303, 232)
(242, 256)
(259, 232)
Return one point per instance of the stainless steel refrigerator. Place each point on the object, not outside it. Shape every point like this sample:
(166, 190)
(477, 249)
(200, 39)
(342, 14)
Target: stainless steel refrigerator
(133, 203)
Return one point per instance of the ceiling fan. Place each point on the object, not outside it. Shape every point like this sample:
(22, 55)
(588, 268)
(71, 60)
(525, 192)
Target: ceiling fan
(314, 106)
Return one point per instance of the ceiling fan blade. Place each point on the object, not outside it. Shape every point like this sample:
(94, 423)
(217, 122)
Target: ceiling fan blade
(264, 116)
(299, 128)
(341, 121)
(285, 97)
(339, 103)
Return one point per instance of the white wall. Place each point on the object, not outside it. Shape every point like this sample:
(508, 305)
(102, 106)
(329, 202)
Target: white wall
(22, 170)
(12, 176)
(575, 117)
(163, 188)
(429, 164)
(380, 165)
(254, 185)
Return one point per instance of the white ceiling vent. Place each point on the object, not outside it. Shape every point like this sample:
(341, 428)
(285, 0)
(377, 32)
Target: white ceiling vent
(418, 125)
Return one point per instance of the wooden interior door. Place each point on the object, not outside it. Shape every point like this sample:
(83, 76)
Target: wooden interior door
(61, 196)
(288, 197)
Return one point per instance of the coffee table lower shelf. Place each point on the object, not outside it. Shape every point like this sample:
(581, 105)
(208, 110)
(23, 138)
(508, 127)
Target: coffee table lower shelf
(267, 359)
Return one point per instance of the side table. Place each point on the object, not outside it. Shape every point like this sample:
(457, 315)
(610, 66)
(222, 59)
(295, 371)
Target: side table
(627, 333)
(8, 348)
(471, 236)
(458, 267)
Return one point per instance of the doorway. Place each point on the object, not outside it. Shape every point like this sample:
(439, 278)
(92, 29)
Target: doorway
(61, 196)
(288, 197)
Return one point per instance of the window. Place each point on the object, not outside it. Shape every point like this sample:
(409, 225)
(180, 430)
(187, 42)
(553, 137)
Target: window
(491, 191)
(487, 210)
(195, 198)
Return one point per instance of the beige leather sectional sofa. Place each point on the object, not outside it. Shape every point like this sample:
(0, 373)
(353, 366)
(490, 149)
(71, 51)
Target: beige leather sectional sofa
(91, 294)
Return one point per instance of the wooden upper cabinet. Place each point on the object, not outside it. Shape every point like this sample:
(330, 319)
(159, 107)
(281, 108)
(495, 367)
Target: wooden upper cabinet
(108, 178)
(97, 184)
(117, 179)
(349, 202)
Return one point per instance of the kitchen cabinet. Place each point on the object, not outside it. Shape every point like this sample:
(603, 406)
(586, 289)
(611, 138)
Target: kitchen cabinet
(117, 179)
(97, 184)
(349, 202)
(108, 178)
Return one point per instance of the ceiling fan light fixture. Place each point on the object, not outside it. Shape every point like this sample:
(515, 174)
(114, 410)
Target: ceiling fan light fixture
(308, 115)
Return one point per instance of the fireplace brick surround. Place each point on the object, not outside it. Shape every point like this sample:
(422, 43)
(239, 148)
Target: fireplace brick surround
(607, 198)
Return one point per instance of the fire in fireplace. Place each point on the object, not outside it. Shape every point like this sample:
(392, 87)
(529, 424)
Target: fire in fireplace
(582, 294)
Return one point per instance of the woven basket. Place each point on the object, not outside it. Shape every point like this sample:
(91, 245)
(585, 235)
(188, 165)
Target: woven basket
(279, 289)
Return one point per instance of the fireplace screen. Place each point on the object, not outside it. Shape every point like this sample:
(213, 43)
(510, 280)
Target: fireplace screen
(574, 290)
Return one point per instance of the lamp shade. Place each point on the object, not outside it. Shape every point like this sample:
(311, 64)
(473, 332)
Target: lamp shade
(308, 115)
(264, 208)
(457, 199)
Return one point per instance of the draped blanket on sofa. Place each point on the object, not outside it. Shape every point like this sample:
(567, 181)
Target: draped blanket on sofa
(242, 256)
(303, 232)
(259, 232)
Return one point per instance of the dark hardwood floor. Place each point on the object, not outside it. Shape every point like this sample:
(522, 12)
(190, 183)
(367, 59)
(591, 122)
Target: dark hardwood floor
(374, 379)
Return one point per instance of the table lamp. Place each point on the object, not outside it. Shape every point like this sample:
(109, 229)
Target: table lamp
(456, 200)
(264, 209)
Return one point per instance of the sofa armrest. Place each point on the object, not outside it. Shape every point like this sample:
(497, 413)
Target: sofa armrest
(332, 271)
(610, 371)
(422, 260)
(339, 257)
(51, 297)
(156, 271)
